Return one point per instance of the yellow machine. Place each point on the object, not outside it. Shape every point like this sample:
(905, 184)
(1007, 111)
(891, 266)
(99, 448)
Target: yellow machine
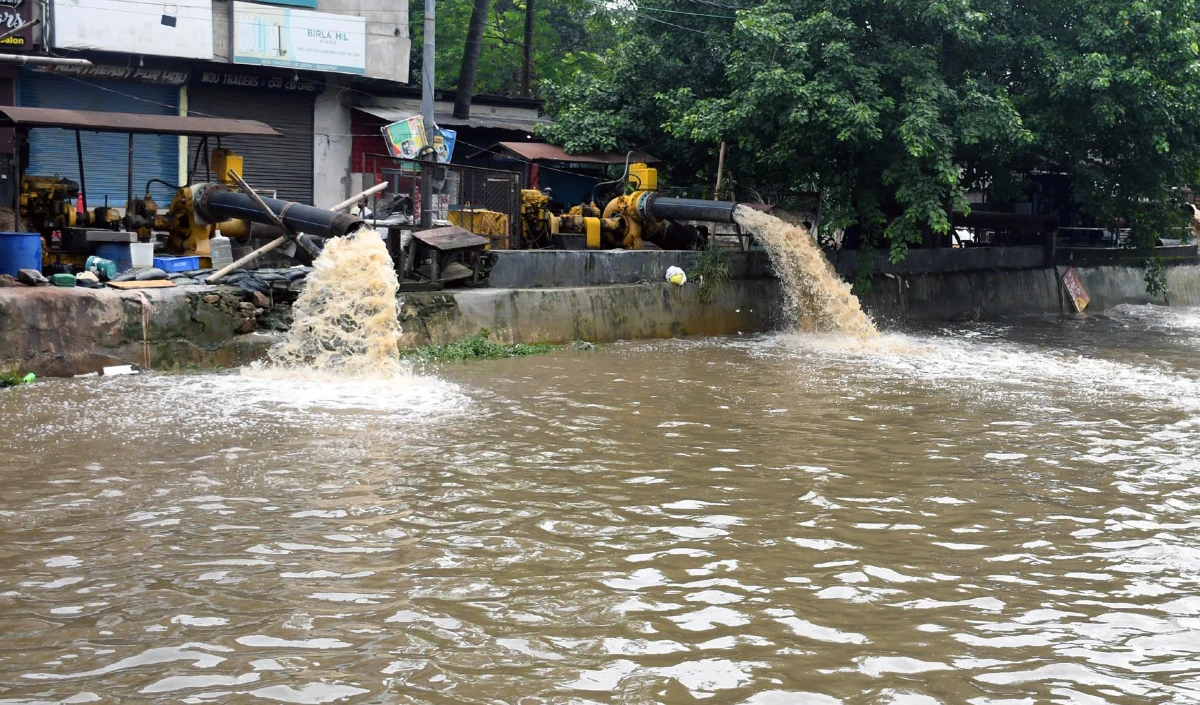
(628, 221)
(49, 205)
(187, 233)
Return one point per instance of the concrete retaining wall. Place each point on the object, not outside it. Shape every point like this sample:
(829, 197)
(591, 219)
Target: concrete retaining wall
(54, 331)
(981, 294)
(63, 332)
(595, 314)
(524, 269)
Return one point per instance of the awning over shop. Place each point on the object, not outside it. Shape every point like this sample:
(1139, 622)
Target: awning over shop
(94, 121)
(542, 152)
(443, 119)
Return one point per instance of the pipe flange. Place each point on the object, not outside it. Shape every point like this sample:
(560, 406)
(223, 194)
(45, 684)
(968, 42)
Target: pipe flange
(200, 195)
(644, 202)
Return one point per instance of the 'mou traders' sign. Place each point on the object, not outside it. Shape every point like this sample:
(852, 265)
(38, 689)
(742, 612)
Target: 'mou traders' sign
(300, 39)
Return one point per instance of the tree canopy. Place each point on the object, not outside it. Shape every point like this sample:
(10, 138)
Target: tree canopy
(565, 34)
(895, 109)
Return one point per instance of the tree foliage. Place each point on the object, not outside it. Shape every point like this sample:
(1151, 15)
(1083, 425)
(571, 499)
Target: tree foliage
(565, 35)
(895, 109)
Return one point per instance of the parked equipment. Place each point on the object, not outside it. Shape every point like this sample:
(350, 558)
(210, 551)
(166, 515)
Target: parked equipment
(628, 221)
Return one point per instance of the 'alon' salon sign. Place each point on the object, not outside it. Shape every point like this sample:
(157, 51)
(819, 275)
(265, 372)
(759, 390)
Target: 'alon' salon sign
(14, 14)
(299, 39)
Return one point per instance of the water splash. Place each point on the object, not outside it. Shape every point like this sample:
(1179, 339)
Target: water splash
(346, 321)
(814, 295)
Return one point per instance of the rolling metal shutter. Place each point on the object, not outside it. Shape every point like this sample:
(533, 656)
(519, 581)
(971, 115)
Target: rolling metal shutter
(279, 166)
(105, 155)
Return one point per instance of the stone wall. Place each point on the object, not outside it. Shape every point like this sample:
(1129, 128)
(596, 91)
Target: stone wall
(64, 332)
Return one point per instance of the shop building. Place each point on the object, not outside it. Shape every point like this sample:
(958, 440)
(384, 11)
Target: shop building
(289, 63)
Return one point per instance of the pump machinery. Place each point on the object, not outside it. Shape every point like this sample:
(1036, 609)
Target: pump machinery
(630, 220)
(635, 218)
(50, 205)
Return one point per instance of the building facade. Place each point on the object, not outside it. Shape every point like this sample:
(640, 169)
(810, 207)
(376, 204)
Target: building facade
(297, 65)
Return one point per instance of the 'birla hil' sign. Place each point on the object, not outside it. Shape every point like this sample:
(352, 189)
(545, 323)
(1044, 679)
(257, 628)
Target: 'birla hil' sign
(299, 39)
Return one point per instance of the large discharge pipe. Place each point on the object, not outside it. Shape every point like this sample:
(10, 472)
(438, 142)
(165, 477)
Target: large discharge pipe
(220, 205)
(655, 207)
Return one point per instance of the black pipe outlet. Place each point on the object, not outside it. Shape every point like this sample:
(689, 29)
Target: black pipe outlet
(663, 208)
(217, 205)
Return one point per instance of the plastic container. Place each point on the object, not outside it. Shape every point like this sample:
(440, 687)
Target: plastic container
(20, 251)
(141, 254)
(222, 251)
(103, 268)
(177, 264)
(118, 252)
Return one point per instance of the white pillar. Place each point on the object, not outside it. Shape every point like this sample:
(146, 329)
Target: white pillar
(332, 145)
(182, 175)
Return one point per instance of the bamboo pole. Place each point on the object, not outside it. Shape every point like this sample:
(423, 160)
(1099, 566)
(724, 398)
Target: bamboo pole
(355, 199)
(720, 172)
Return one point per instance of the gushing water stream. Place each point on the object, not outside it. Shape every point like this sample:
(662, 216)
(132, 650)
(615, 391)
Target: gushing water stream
(346, 321)
(814, 295)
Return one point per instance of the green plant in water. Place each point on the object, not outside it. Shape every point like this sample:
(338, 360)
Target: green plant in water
(13, 378)
(711, 271)
(476, 347)
(1156, 279)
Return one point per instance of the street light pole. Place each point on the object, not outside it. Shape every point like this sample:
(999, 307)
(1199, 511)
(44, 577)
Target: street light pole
(428, 73)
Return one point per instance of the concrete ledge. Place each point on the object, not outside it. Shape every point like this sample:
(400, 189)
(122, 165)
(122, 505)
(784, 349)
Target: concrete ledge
(954, 295)
(63, 332)
(963, 259)
(523, 269)
(596, 314)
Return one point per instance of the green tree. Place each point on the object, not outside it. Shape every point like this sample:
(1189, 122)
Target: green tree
(566, 39)
(895, 109)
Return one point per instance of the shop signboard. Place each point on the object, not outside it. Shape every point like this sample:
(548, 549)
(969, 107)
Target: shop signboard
(123, 72)
(266, 35)
(293, 3)
(257, 82)
(14, 14)
(181, 28)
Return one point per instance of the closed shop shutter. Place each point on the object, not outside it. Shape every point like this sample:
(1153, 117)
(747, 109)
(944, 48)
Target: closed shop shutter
(105, 155)
(279, 166)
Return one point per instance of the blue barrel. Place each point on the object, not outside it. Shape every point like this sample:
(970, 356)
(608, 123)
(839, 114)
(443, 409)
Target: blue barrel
(20, 251)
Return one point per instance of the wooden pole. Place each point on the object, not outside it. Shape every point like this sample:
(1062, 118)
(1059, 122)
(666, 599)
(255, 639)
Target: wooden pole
(720, 171)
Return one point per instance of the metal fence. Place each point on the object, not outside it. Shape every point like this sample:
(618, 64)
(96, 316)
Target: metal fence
(486, 201)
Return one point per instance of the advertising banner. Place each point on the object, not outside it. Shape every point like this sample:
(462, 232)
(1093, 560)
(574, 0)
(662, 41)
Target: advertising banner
(406, 139)
(265, 35)
(181, 28)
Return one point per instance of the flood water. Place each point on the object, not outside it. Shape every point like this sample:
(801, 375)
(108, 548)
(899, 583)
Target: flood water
(987, 513)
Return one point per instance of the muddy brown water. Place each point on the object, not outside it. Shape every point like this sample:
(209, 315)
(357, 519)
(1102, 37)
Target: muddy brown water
(990, 513)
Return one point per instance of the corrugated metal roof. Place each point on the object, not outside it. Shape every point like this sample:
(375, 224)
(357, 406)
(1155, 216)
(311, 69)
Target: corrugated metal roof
(506, 122)
(542, 152)
(95, 121)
